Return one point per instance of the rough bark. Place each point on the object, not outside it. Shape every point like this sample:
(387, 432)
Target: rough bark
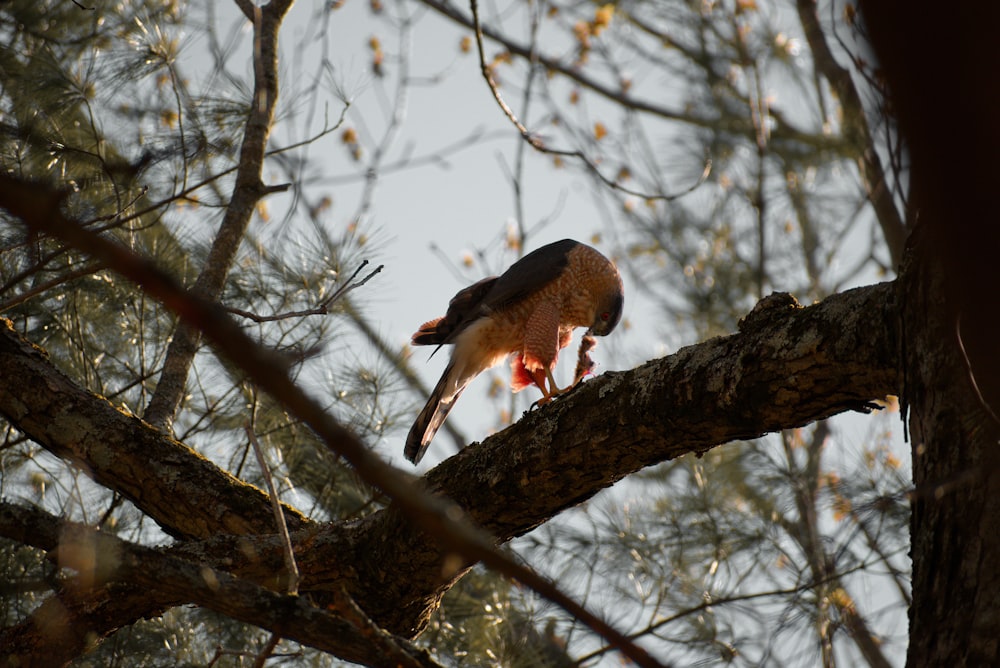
(955, 525)
(788, 366)
(949, 290)
(187, 495)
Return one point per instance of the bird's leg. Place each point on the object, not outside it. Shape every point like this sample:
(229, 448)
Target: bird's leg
(539, 377)
(554, 390)
(548, 386)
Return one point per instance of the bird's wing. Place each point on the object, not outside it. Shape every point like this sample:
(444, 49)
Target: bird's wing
(463, 309)
(529, 275)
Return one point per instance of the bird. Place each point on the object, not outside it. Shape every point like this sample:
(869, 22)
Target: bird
(527, 314)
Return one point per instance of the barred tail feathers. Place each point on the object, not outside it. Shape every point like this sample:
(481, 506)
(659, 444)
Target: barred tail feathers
(430, 419)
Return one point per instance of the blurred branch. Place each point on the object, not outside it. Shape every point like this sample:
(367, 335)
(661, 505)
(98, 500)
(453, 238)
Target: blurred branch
(856, 130)
(39, 207)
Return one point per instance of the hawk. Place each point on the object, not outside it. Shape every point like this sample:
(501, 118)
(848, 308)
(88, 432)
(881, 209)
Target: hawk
(529, 312)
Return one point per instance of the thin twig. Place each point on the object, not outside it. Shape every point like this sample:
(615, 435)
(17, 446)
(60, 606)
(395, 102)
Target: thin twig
(536, 142)
(348, 286)
(324, 306)
(971, 372)
(279, 516)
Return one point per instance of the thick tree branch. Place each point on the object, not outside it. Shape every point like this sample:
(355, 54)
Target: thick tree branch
(101, 559)
(188, 496)
(787, 367)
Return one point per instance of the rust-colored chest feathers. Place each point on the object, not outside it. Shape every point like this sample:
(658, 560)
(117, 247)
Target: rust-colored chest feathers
(530, 311)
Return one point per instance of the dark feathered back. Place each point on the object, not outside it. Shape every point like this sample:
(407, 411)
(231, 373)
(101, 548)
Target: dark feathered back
(461, 312)
(532, 272)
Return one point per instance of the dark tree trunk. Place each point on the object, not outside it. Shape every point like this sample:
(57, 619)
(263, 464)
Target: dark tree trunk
(955, 525)
(941, 65)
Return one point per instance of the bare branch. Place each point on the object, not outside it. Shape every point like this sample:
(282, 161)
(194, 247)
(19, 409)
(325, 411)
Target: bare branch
(279, 517)
(38, 206)
(324, 306)
(536, 142)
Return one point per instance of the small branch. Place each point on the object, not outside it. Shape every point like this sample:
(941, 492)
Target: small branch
(278, 188)
(17, 300)
(971, 372)
(347, 609)
(266, 651)
(348, 287)
(324, 306)
(279, 517)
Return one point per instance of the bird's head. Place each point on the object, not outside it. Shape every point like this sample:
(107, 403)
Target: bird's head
(609, 310)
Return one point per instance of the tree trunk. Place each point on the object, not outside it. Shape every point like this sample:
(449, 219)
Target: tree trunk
(955, 616)
(941, 64)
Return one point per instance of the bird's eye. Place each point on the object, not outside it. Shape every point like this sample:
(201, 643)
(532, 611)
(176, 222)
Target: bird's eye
(605, 316)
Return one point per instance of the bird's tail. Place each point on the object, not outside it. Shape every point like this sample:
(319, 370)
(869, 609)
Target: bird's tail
(432, 416)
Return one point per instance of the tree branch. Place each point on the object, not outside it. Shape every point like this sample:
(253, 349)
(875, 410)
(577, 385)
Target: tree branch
(856, 130)
(188, 496)
(101, 559)
(247, 191)
(788, 366)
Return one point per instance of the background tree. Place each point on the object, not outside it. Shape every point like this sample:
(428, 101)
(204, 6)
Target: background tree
(752, 553)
